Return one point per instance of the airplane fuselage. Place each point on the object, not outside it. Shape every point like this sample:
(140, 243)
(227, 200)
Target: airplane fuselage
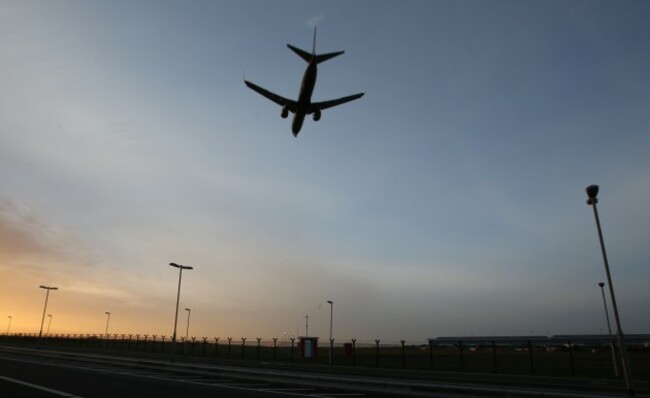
(304, 96)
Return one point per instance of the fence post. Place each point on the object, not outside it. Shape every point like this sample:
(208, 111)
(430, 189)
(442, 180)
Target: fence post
(377, 352)
(259, 340)
(462, 357)
(275, 348)
(205, 343)
(354, 352)
(573, 369)
(216, 347)
(144, 347)
(403, 354)
(229, 341)
(193, 339)
(293, 339)
(530, 355)
(162, 343)
(243, 346)
(153, 343)
(494, 357)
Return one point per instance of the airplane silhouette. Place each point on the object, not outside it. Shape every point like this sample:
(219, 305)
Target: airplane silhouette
(304, 106)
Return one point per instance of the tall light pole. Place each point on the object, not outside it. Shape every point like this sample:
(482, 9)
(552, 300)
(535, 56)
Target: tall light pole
(331, 351)
(178, 296)
(187, 330)
(592, 192)
(609, 328)
(9, 326)
(49, 323)
(47, 295)
(108, 319)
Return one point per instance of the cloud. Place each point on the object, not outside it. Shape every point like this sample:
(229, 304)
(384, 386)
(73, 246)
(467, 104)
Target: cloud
(314, 21)
(24, 236)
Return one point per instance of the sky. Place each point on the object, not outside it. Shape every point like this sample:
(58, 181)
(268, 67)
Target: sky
(448, 201)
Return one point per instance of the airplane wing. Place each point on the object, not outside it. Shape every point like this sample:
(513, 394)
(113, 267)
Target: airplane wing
(317, 106)
(278, 99)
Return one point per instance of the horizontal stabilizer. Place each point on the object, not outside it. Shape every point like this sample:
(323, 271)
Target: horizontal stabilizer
(302, 53)
(309, 56)
(325, 57)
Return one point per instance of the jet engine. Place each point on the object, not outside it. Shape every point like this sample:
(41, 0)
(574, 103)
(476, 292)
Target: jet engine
(285, 112)
(316, 115)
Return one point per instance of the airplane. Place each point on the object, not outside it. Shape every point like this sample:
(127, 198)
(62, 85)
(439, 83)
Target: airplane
(304, 106)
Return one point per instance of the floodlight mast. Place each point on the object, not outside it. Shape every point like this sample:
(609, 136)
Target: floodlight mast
(592, 192)
(609, 329)
(47, 295)
(331, 350)
(178, 296)
(187, 330)
(49, 323)
(108, 320)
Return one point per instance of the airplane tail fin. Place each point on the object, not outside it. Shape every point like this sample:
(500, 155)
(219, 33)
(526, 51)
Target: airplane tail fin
(308, 57)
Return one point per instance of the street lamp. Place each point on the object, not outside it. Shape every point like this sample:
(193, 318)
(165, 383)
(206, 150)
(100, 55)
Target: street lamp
(8, 326)
(592, 192)
(187, 330)
(49, 323)
(609, 328)
(108, 319)
(47, 295)
(331, 351)
(178, 296)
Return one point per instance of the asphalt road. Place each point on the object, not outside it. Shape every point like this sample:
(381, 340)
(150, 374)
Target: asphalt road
(46, 377)
(31, 373)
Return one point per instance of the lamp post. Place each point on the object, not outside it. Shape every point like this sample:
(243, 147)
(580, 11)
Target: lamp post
(331, 350)
(592, 192)
(9, 326)
(49, 323)
(609, 328)
(47, 295)
(178, 296)
(187, 330)
(306, 325)
(108, 320)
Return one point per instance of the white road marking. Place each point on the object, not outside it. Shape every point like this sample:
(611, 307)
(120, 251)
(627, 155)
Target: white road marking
(37, 387)
(286, 389)
(326, 395)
